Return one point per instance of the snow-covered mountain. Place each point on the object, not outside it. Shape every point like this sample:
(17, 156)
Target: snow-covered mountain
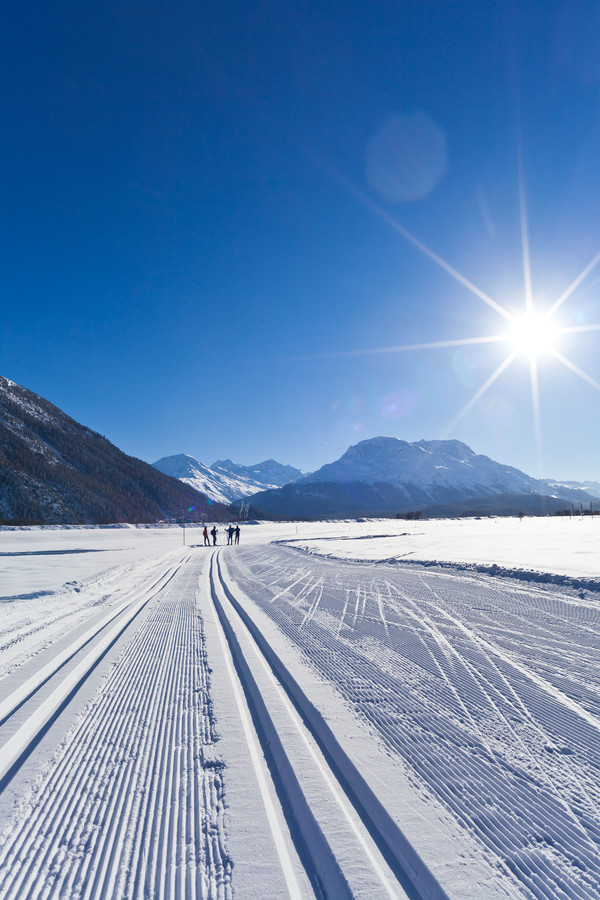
(268, 474)
(589, 487)
(430, 465)
(226, 481)
(385, 474)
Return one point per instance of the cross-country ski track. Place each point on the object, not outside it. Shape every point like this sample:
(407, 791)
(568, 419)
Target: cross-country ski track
(259, 722)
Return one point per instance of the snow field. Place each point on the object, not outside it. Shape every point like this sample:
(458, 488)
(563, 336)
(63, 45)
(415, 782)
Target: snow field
(52, 562)
(106, 632)
(553, 545)
(376, 784)
(469, 705)
(35, 559)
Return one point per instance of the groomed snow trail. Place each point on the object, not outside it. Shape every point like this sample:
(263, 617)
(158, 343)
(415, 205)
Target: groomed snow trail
(132, 805)
(489, 693)
(343, 849)
(369, 731)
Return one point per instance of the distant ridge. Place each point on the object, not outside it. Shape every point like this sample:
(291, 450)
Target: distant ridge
(269, 473)
(55, 471)
(226, 481)
(385, 476)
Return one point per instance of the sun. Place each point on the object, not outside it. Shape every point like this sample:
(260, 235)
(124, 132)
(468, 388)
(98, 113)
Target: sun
(533, 334)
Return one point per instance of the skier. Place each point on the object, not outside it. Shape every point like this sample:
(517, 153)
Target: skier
(237, 534)
(206, 539)
(213, 531)
(230, 531)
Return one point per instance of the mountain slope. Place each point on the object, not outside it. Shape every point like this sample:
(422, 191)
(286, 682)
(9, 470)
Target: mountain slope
(576, 487)
(54, 471)
(226, 481)
(435, 466)
(267, 474)
(385, 475)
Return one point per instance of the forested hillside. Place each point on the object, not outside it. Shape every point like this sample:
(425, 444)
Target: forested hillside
(54, 470)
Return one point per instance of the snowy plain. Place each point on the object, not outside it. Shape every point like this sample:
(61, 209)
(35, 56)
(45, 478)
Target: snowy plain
(567, 546)
(436, 725)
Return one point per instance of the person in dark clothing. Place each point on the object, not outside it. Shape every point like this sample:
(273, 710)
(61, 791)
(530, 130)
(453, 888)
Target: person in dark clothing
(206, 538)
(237, 534)
(213, 531)
(230, 531)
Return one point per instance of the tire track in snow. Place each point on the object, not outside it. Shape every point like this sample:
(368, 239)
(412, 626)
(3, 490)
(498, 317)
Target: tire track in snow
(133, 805)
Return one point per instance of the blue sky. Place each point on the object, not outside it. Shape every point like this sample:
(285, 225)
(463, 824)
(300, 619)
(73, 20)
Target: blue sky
(200, 204)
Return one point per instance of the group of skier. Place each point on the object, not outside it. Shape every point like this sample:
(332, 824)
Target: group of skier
(233, 535)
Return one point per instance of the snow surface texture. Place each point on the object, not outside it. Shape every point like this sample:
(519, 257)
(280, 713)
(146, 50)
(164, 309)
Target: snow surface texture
(488, 692)
(467, 704)
(226, 481)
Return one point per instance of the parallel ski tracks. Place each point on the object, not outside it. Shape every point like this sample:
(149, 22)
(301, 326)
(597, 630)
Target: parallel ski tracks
(407, 871)
(86, 650)
(131, 809)
(471, 722)
(21, 634)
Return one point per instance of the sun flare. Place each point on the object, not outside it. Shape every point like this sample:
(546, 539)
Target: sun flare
(533, 335)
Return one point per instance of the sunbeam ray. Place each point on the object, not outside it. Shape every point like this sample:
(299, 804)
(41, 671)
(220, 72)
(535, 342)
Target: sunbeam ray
(574, 284)
(402, 348)
(479, 393)
(535, 404)
(576, 369)
(388, 219)
(524, 235)
(576, 329)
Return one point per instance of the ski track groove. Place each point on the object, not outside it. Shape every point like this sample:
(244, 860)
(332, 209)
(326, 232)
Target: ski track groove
(103, 734)
(343, 616)
(109, 812)
(317, 588)
(18, 628)
(343, 779)
(412, 673)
